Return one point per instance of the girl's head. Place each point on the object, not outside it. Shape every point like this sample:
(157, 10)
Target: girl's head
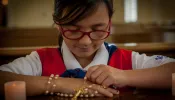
(83, 24)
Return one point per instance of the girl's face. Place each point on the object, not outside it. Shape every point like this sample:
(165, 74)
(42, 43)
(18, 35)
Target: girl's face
(86, 47)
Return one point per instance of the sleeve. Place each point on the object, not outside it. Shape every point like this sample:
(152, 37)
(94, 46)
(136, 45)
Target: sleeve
(29, 65)
(140, 61)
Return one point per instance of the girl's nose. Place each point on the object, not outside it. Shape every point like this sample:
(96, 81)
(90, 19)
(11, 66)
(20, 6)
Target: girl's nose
(85, 40)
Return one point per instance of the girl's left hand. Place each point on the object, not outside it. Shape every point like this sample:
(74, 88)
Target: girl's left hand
(106, 76)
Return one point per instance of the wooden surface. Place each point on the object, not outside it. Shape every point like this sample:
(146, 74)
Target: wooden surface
(167, 49)
(139, 47)
(134, 95)
(20, 51)
(120, 33)
(148, 47)
(20, 37)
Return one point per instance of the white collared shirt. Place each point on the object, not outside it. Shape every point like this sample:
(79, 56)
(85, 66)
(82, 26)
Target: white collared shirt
(31, 64)
(71, 62)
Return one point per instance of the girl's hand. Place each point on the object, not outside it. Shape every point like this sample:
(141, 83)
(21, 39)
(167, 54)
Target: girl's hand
(106, 75)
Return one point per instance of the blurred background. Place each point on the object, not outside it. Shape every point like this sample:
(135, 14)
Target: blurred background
(146, 26)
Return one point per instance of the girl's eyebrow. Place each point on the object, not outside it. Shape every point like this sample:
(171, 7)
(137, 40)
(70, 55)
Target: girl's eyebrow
(99, 24)
(93, 26)
(73, 25)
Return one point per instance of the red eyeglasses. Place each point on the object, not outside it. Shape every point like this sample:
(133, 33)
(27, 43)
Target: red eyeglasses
(77, 34)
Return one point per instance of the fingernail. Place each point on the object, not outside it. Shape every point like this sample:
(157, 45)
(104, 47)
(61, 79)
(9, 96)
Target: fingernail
(111, 95)
(90, 86)
(115, 92)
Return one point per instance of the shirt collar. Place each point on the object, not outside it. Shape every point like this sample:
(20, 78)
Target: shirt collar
(101, 57)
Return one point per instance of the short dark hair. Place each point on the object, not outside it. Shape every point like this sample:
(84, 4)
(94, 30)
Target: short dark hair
(72, 11)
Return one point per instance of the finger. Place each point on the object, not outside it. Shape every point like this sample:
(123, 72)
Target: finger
(90, 92)
(95, 74)
(99, 89)
(93, 93)
(99, 95)
(113, 91)
(101, 78)
(90, 71)
(108, 81)
(96, 93)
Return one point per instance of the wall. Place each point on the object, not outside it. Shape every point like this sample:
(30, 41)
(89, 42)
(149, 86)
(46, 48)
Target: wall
(145, 11)
(167, 9)
(30, 13)
(155, 11)
(118, 16)
(38, 13)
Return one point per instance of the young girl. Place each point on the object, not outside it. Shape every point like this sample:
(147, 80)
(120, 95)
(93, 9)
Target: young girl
(83, 26)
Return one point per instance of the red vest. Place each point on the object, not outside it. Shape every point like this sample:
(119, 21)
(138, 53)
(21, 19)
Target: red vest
(52, 62)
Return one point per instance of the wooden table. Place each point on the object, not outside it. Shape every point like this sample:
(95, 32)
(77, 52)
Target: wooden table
(132, 95)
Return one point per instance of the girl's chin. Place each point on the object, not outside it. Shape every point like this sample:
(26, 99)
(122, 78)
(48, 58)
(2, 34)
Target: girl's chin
(83, 55)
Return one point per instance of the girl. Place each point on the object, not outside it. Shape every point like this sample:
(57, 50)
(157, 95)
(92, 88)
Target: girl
(83, 26)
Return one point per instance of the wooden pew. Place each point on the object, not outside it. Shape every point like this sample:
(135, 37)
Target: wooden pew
(23, 37)
(26, 40)
(137, 33)
(166, 49)
(121, 33)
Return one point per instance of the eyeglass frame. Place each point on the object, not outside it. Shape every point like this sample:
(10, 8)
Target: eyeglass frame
(85, 33)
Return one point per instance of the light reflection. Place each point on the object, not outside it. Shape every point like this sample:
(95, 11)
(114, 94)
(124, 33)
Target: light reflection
(130, 44)
(5, 2)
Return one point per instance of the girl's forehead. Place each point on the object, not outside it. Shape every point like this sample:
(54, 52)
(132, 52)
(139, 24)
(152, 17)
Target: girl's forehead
(100, 16)
(91, 24)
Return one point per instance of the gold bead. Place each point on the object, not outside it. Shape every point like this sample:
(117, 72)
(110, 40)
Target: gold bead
(86, 89)
(58, 94)
(66, 95)
(104, 87)
(96, 92)
(90, 86)
(50, 78)
(92, 95)
(48, 82)
(51, 93)
(47, 92)
(70, 95)
(86, 95)
(81, 95)
(52, 75)
(54, 85)
(56, 75)
(61, 94)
